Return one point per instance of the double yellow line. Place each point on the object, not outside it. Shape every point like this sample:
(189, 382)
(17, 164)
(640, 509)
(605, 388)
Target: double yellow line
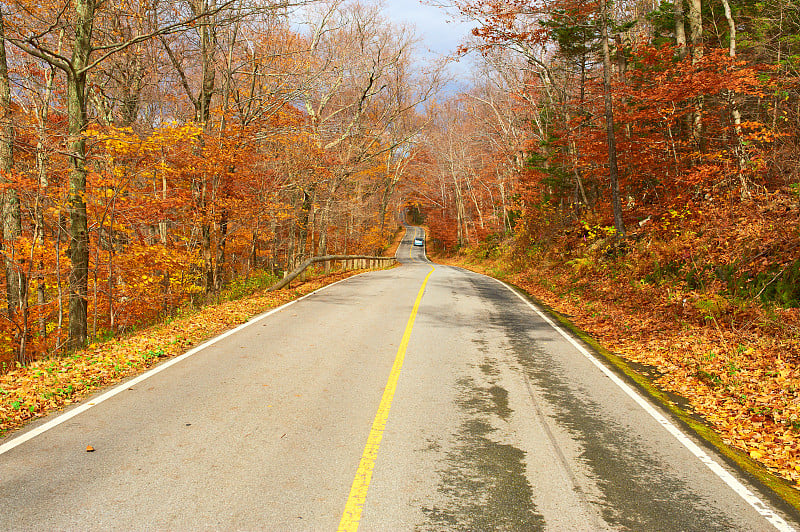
(358, 491)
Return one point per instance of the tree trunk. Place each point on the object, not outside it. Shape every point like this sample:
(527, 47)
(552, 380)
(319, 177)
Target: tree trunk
(77, 122)
(696, 30)
(111, 319)
(680, 29)
(735, 113)
(613, 170)
(305, 216)
(325, 214)
(202, 103)
(576, 156)
(222, 236)
(696, 36)
(78, 229)
(388, 191)
(17, 285)
(461, 223)
(41, 197)
(506, 220)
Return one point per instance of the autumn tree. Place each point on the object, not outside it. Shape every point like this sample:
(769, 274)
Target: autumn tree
(360, 96)
(192, 157)
(84, 17)
(16, 284)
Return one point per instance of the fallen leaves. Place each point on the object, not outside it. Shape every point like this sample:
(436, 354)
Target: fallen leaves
(745, 383)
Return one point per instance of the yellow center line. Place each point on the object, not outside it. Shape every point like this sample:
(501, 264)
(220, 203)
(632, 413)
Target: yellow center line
(358, 492)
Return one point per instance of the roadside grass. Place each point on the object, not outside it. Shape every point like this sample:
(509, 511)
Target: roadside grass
(48, 385)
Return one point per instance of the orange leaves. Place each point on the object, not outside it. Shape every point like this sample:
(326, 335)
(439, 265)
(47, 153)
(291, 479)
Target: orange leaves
(732, 359)
(752, 399)
(661, 81)
(702, 174)
(504, 22)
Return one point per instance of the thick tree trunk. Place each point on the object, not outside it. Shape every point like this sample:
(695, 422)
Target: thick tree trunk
(77, 122)
(613, 170)
(696, 37)
(78, 228)
(696, 29)
(680, 29)
(202, 104)
(16, 282)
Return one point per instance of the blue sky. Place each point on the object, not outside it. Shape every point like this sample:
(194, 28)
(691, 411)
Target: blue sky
(441, 33)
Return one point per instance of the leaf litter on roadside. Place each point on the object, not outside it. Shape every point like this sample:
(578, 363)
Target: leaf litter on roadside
(745, 383)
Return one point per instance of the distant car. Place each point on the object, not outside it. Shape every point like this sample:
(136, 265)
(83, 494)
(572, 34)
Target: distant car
(419, 242)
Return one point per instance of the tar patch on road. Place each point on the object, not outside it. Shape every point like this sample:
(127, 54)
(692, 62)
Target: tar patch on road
(483, 484)
(638, 491)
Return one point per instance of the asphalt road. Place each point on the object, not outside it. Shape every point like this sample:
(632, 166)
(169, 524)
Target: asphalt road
(377, 404)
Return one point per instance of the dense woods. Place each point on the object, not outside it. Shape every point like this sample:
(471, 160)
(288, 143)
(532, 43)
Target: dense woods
(155, 153)
(597, 119)
(664, 135)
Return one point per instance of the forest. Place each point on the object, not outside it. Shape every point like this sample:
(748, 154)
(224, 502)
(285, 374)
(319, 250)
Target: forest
(632, 164)
(155, 153)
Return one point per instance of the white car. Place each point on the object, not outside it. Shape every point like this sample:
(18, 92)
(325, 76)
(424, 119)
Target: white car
(419, 242)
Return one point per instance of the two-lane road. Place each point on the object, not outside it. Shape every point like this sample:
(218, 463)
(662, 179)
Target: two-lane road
(384, 404)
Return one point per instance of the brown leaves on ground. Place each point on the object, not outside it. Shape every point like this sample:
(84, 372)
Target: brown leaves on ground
(47, 385)
(743, 381)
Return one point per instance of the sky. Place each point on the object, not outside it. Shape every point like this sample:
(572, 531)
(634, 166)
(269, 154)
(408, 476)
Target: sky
(441, 33)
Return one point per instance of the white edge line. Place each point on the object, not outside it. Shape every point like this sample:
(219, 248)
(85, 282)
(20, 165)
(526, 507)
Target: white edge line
(66, 416)
(757, 504)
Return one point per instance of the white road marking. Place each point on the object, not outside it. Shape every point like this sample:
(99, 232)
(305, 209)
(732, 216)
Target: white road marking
(718, 470)
(22, 438)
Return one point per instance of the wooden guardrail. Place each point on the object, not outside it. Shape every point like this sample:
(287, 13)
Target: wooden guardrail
(349, 262)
